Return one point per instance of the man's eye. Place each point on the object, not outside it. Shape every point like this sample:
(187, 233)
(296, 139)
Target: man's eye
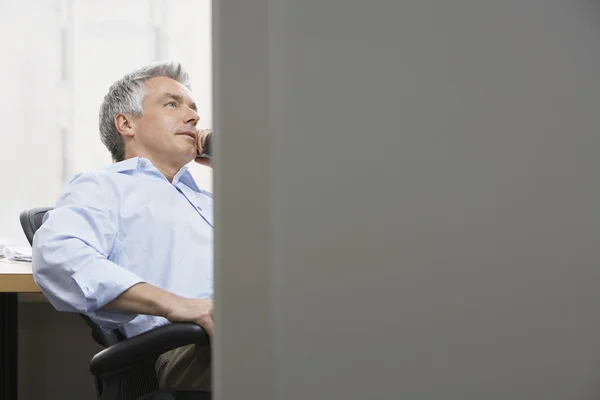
(171, 104)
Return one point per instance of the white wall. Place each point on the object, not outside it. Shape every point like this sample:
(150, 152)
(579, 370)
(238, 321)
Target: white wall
(59, 58)
(411, 211)
(29, 140)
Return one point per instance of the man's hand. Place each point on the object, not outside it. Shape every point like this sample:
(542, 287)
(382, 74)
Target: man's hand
(201, 139)
(197, 311)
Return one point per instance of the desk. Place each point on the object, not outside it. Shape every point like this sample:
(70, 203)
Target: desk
(15, 278)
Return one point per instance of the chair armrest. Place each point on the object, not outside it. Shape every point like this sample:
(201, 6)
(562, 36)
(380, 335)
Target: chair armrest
(146, 347)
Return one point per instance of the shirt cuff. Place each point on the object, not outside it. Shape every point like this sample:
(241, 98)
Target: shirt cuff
(103, 281)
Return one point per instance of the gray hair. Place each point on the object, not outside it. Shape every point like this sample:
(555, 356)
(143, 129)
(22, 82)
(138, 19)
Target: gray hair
(127, 95)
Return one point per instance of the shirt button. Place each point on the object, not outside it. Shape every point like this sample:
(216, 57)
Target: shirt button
(199, 208)
(143, 164)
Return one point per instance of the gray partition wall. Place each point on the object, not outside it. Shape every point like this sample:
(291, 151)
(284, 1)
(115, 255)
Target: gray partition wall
(407, 199)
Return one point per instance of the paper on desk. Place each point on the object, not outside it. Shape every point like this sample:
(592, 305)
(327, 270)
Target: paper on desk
(16, 253)
(2, 246)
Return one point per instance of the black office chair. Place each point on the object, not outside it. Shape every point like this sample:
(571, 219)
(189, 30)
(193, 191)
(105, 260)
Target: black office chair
(124, 370)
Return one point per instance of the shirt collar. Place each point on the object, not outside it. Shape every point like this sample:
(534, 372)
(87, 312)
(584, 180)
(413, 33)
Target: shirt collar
(142, 164)
(184, 176)
(126, 165)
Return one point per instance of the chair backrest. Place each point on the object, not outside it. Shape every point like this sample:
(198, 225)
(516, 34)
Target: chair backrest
(31, 220)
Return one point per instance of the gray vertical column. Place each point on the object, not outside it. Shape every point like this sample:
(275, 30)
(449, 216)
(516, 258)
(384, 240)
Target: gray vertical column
(242, 186)
(412, 212)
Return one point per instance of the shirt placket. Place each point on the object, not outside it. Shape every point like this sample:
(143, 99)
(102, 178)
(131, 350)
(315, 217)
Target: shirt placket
(198, 202)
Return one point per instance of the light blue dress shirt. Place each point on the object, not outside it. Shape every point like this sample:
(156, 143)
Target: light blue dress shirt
(119, 226)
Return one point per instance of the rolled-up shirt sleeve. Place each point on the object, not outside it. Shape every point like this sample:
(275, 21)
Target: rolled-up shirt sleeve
(71, 252)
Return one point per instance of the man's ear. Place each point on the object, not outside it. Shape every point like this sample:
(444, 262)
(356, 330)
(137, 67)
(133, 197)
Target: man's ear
(125, 125)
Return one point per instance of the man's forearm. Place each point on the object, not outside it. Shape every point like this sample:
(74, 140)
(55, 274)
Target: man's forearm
(144, 298)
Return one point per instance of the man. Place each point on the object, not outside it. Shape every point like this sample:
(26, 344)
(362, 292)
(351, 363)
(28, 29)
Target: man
(131, 245)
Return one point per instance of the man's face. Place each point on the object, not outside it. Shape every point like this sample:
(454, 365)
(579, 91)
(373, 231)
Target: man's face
(166, 130)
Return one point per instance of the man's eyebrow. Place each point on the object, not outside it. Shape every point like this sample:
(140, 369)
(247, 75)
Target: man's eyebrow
(178, 99)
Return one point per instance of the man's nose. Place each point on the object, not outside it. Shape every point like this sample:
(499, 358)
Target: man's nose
(192, 117)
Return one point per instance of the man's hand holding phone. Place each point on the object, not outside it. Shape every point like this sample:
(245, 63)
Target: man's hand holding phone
(204, 148)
